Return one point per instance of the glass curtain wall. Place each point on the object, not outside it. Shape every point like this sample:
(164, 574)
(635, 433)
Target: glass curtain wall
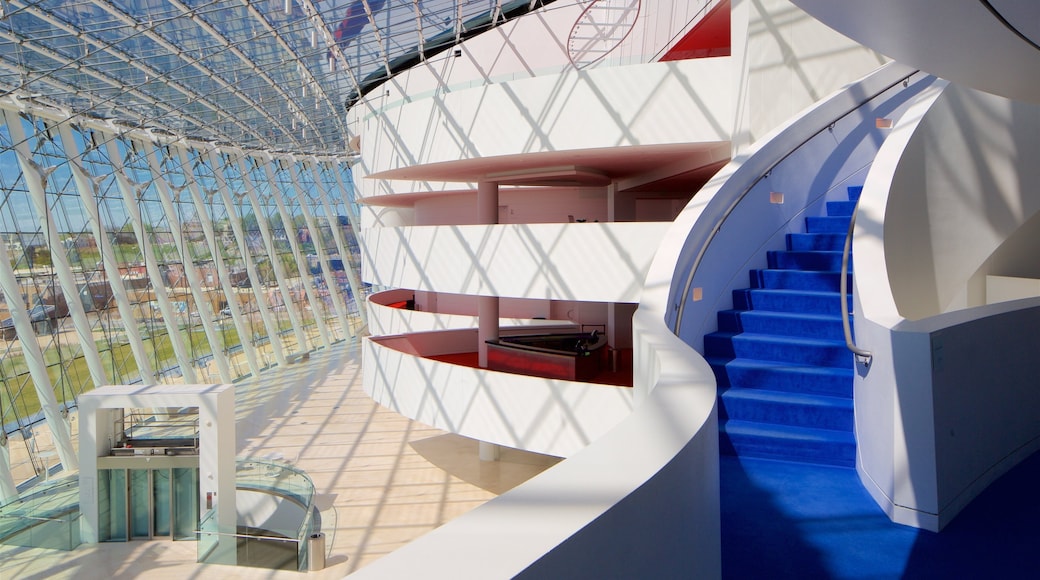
(130, 260)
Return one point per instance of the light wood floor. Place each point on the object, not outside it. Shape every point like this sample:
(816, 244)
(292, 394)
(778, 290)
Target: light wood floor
(382, 480)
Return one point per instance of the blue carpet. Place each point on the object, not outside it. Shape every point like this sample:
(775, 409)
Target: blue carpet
(784, 372)
(797, 520)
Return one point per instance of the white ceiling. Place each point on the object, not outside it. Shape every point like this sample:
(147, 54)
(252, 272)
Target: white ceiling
(964, 41)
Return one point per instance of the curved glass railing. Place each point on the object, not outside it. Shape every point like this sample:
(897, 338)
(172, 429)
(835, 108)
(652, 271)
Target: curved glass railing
(47, 518)
(281, 547)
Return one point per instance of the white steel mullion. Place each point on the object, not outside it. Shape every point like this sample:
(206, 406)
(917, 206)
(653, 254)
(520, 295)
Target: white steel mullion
(111, 266)
(340, 306)
(35, 180)
(356, 228)
(87, 192)
(248, 349)
(8, 489)
(188, 264)
(129, 191)
(247, 259)
(276, 262)
(60, 430)
(301, 260)
(337, 236)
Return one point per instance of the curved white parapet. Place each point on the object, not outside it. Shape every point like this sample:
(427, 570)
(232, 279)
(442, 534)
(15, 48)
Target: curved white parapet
(595, 262)
(642, 501)
(949, 403)
(553, 417)
(959, 40)
(677, 102)
(387, 320)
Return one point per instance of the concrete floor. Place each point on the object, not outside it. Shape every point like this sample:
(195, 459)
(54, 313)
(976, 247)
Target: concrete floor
(382, 480)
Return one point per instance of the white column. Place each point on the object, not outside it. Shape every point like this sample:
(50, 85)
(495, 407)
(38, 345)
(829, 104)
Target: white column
(488, 451)
(487, 202)
(341, 245)
(8, 489)
(188, 263)
(247, 258)
(34, 360)
(60, 429)
(162, 299)
(487, 316)
(88, 189)
(339, 304)
(355, 226)
(301, 260)
(89, 193)
(487, 306)
(36, 182)
(276, 262)
(248, 350)
(217, 465)
(621, 207)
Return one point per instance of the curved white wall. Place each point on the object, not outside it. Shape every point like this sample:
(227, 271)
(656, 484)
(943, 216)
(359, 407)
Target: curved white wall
(537, 44)
(385, 320)
(642, 501)
(969, 168)
(543, 415)
(788, 61)
(658, 103)
(267, 511)
(948, 404)
(599, 262)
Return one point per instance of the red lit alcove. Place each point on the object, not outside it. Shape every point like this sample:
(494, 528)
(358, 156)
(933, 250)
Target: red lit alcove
(710, 37)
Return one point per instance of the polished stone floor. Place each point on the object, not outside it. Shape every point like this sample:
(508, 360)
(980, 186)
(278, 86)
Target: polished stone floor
(382, 480)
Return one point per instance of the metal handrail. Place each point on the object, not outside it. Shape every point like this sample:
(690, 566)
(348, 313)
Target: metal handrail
(864, 356)
(717, 226)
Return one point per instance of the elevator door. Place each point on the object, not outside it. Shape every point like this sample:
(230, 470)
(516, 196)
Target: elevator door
(142, 504)
(151, 504)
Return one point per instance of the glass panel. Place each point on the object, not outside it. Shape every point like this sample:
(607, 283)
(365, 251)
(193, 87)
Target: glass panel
(112, 505)
(161, 502)
(185, 503)
(46, 518)
(140, 504)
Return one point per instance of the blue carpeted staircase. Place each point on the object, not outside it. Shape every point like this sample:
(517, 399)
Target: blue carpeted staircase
(785, 376)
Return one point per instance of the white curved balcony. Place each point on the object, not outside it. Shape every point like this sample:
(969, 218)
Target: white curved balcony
(598, 262)
(648, 486)
(388, 316)
(479, 133)
(548, 416)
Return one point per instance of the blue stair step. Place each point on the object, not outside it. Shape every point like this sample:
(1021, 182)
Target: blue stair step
(827, 224)
(787, 408)
(782, 323)
(829, 353)
(784, 373)
(818, 281)
(814, 302)
(840, 208)
(782, 376)
(854, 192)
(834, 242)
(805, 444)
(814, 261)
